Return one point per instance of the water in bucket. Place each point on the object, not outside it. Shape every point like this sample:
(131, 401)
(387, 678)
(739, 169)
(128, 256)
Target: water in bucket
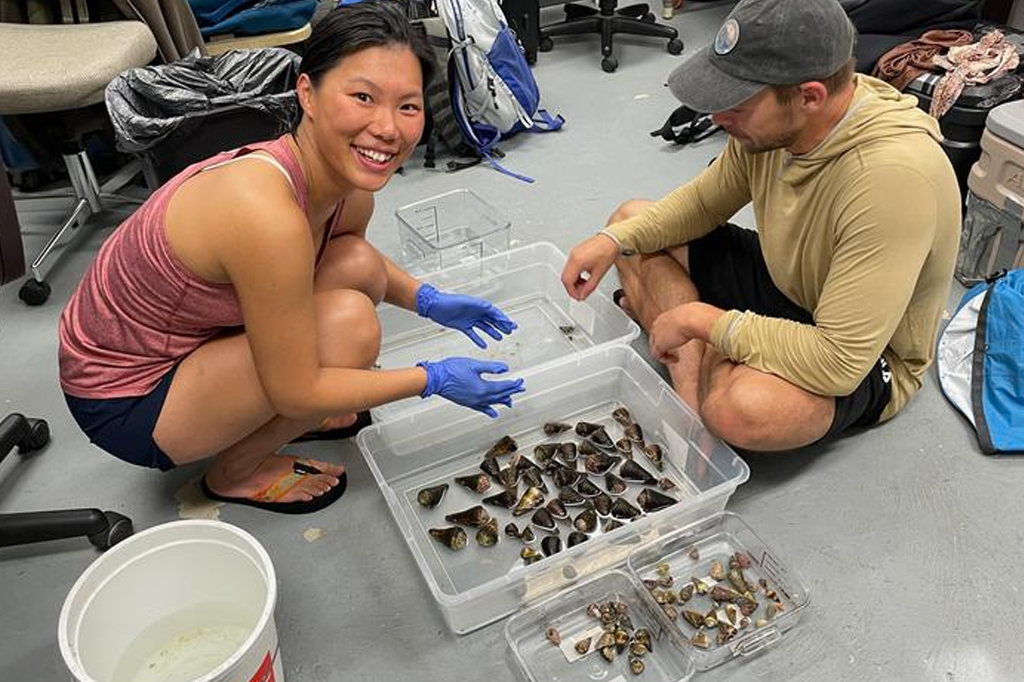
(185, 646)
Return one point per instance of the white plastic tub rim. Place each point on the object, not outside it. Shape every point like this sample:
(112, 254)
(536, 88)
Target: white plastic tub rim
(92, 582)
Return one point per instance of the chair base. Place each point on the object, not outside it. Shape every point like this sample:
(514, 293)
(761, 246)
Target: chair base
(89, 198)
(608, 20)
(103, 528)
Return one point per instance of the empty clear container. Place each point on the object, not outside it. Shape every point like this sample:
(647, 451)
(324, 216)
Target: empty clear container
(448, 229)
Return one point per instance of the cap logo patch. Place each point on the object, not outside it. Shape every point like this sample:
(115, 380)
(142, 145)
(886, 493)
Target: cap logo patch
(727, 37)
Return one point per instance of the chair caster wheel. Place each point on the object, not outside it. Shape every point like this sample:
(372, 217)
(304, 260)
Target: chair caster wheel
(546, 44)
(675, 46)
(33, 292)
(38, 436)
(609, 64)
(118, 528)
(650, 17)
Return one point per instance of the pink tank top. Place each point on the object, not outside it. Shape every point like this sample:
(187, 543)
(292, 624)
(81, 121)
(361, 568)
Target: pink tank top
(138, 311)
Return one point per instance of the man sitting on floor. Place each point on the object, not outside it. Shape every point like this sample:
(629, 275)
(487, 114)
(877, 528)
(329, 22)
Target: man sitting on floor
(826, 318)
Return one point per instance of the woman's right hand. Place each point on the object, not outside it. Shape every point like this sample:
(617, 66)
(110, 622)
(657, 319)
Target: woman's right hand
(459, 380)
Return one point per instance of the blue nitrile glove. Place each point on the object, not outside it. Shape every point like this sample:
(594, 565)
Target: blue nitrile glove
(459, 380)
(465, 313)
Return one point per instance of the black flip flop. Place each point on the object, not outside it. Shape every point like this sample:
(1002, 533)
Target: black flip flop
(363, 419)
(298, 507)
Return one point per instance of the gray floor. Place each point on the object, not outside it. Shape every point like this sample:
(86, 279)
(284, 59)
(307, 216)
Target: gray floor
(909, 538)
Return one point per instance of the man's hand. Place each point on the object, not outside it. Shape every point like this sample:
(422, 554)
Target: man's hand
(587, 264)
(677, 326)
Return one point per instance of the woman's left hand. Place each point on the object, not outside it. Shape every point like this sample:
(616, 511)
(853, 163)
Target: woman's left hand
(465, 313)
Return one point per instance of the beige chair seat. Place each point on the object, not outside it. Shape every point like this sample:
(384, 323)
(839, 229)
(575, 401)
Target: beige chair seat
(218, 45)
(66, 66)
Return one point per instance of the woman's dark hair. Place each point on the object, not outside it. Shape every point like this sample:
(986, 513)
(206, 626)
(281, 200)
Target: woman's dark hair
(348, 29)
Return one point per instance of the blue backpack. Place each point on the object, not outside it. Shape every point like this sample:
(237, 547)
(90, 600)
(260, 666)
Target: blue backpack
(981, 361)
(493, 92)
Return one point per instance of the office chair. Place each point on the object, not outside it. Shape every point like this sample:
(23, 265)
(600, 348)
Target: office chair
(608, 20)
(220, 44)
(63, 67)
(103, 528)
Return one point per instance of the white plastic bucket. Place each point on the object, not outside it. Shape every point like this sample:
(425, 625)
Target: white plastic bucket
(188, 601)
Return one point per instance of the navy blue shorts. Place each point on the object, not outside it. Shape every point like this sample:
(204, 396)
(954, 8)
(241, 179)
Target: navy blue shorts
(124, 426)
(728, 269)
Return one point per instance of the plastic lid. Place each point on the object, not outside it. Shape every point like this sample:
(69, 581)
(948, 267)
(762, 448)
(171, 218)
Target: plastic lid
(1007, 121)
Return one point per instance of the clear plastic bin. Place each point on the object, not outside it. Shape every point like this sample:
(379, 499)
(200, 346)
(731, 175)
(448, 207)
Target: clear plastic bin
(717, 539)
(539, 660)
(477, 585)
(672, 657)
(449, 229)
(526, 284)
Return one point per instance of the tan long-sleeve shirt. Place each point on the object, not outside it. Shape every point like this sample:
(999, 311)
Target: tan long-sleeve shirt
(862, 232)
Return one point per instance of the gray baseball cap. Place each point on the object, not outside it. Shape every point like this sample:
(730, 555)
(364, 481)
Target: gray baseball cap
(765, 42)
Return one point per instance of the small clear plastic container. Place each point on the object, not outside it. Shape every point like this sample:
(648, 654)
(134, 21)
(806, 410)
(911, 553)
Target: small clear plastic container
(673, 658)
(449, 229)
(540, 660)
(428, 447)
(526, 284)
(689, 554)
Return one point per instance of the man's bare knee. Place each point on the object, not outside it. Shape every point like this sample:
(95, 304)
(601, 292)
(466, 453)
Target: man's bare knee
(352, 263)
(739, 416)
(628, 209)
(763, 413)
(630, 270)
(348, 328)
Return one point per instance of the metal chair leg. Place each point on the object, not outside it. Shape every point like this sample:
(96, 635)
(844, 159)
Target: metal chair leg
(81, 208)
(83, 179)
(121, 177)
(109, 190)
(89, 195)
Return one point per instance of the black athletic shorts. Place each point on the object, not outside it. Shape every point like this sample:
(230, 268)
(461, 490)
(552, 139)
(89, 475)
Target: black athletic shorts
(124, 426)
(728, 269)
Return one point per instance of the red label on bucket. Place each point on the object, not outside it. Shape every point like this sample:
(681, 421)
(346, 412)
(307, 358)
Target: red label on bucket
(266, 671)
